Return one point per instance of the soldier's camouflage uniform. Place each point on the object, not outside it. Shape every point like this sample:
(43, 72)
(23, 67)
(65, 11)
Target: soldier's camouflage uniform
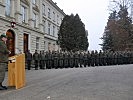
(36, 59)
(3, 60)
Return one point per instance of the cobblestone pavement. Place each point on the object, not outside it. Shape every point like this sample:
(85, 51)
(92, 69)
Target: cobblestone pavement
(92, 83)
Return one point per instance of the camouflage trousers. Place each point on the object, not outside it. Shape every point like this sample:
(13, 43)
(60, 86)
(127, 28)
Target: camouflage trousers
(3, 67)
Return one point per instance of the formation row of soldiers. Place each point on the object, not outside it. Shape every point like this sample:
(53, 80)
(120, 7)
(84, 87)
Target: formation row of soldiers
(55, 59)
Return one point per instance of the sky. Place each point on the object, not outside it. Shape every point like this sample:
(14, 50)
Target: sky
(93, 13)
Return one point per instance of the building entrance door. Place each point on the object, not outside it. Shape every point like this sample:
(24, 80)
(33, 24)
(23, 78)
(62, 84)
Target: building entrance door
(25, 42)
(11, 41)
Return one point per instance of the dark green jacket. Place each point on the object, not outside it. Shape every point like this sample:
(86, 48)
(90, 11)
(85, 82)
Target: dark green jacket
(4, 52)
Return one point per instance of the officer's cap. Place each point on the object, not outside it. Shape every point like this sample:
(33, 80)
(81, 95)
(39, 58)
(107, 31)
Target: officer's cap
(3, 35)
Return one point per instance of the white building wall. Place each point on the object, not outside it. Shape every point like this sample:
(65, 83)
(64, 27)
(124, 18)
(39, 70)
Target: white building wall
(2, 8)
(28, 26)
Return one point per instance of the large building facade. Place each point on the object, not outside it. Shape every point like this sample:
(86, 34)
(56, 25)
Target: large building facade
(30, 24)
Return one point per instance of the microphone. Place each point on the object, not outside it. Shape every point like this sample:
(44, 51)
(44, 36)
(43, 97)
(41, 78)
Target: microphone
(19, 51)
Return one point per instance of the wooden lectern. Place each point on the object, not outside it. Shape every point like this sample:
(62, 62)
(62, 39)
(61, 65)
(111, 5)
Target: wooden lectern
(16, 71)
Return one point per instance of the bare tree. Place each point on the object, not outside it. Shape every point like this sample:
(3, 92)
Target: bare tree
(120, 25)
(114, 5)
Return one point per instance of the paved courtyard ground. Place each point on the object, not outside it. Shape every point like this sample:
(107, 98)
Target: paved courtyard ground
(91, 83)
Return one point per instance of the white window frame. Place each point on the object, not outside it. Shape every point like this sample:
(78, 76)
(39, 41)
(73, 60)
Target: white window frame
(8, 8)
(43, 9)
(34, 2)
(34, 19)
(24, 13)
(37, 43)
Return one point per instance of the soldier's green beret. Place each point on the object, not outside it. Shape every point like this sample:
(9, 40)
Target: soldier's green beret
(3, 35)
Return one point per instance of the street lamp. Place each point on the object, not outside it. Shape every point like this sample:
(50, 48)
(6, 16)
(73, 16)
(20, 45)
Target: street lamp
(13, 24)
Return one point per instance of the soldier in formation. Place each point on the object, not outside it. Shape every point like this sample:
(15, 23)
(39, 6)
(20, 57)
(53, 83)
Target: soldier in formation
(56, 59)
(28, 56)
(4, 53)
(36, 59)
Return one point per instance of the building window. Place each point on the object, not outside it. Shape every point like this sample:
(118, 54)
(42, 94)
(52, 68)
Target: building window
(37, 43)
(53, 47)
(53, 16)
(60, 20)
(43, 9)
(56, 35)
(44, 26)
(34, 2)
(49, 46)
(57, 19)
(44, 45)
(48, 12)
(53, 30)
(49, 28)
(8, 7)
(34, 19)
(23, 10)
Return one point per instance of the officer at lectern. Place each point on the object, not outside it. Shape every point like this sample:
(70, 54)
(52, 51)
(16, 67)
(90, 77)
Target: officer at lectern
(4, 53)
